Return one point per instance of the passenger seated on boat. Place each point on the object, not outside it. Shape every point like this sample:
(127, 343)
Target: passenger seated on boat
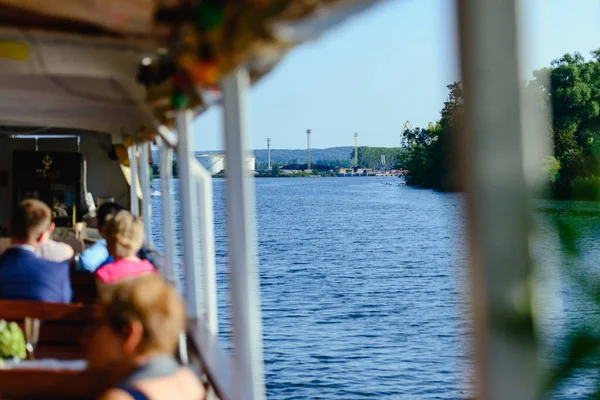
(52, 250)
(97, 255)
(137, 332)
(58, 209)
(24, 275)
(124, 234)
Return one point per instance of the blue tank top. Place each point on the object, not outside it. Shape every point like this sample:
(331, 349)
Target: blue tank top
(135, 393)
(158, 367)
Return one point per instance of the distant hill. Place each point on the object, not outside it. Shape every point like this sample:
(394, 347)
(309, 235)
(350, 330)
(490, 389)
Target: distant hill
(287, 155)
(300, 156)
(284, 156)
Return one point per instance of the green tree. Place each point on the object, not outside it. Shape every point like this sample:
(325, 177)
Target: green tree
(571, 88)
(370, 157)
(551, 167)
(428, 156)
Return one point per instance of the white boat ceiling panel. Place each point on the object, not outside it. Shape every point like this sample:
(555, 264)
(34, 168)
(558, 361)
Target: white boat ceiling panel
(58, 53)
(60, 80)
(131, 17)
(137, 17)
(77, 102)
(88, 53)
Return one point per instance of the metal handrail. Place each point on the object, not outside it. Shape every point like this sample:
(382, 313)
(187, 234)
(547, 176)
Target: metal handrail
(497, 200)
(145, 183)
(133, 197)
(200, 308)
(166, 176)
(243, 251)
(207, 227)
(218, 365)
(189, 215)
(246, 367)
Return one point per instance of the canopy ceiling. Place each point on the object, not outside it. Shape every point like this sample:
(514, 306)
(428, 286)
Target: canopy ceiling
(85, 54)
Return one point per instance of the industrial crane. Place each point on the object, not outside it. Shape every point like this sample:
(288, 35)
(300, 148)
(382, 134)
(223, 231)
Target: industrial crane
(430, 126)
(404, 128)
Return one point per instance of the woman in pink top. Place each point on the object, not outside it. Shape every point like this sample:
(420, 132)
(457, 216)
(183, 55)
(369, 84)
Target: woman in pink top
(124, 236)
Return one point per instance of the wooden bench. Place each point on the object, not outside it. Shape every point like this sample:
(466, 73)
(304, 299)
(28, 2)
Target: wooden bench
(63, 326)
(41, 384)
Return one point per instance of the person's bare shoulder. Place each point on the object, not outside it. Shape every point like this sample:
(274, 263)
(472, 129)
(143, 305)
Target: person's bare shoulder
(115, 394)
(195, 387)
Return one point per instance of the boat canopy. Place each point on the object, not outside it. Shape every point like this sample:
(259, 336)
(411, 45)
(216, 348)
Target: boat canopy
(120, 66)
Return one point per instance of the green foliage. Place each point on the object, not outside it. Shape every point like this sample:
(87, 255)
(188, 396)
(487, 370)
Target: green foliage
(580, 347)
(12, 341)
(427, 156)
(551, 167)
(571, 87)
(155, 172)
(175, 170)
(587, 188)
(370, 157)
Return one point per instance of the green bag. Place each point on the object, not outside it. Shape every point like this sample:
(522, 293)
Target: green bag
(12, 340)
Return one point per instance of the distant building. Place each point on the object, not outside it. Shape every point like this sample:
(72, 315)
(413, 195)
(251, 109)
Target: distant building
(215, 163)
(252, 163)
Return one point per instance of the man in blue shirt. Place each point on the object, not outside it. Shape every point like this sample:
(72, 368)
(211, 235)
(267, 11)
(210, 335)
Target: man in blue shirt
(23, 275)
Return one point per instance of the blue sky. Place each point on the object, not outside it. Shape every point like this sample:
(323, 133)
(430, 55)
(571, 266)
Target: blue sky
(386, 66)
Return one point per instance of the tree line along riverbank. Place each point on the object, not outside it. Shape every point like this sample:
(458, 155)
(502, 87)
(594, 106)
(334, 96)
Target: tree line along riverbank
(569, 88)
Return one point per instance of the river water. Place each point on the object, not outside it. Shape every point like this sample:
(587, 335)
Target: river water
(363, 287)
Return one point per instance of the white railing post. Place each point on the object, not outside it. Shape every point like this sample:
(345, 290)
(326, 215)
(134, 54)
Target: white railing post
(189, 215)
(145, 183)
(498, 201)
(207, 226)
(243, 252)
(133, 173)
(168, 228)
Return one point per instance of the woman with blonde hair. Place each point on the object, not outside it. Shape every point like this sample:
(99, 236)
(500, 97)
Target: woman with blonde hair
(124, 234)
(138, 324)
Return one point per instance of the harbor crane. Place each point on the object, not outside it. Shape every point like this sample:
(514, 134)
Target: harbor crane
(404, 128)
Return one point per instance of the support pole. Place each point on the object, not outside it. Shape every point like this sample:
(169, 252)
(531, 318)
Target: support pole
(189, 216)
(166, 187)
(146, 203)
(497, 200)
(207, 226)
(243, 251)
(268, 154)
(355, 151)
(308, 149)
(133, 173)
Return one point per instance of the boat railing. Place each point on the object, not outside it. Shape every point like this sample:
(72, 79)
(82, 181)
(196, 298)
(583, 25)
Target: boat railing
(492, 150)
(206, 351)
(229, 377)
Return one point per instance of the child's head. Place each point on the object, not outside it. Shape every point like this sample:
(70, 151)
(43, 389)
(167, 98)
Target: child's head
(124, 234)
(136, 317)
(104, 211)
